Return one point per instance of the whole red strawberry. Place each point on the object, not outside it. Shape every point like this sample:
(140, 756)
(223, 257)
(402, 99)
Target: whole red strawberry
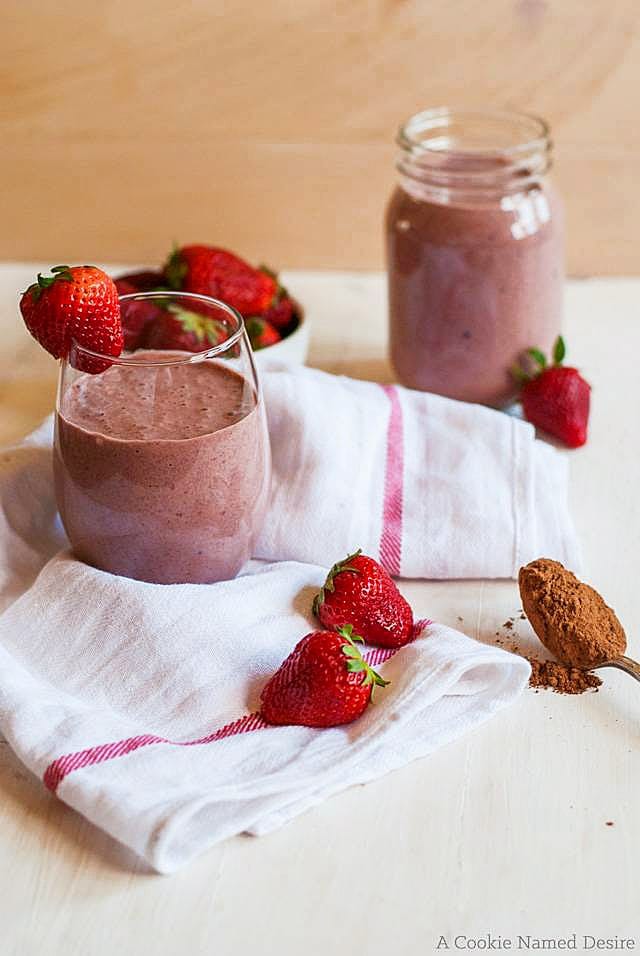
(135, 314)
(280, 313)
(324, 682)
(360, 592)
(146, 281)
(182, 330)
(261, 333)
(77, 304)
(223, 275)
(556, 398)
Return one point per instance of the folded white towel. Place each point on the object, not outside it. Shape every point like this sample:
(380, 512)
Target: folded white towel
(136, 703)
(432, 487)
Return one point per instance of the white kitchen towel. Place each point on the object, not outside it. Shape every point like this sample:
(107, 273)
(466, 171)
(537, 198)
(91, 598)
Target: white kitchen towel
(431, 487)
(136, 703)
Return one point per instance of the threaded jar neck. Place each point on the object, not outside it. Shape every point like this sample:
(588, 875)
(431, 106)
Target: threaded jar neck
(458, 155)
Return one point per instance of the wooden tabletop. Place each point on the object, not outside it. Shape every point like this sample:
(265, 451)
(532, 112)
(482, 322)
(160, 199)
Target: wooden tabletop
(503, 832)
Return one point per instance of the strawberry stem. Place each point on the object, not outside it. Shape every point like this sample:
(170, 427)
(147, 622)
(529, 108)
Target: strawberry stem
(519, 374)
(559, 351)
(203, 327)
(346, 631)
(538, 356)
(254, 326)
(356, 663)
(45, 282)
(175, 269)
(328, 584)
(522, 375)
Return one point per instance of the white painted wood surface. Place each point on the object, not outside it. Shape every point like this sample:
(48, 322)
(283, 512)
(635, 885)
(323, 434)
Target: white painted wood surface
(503, 832)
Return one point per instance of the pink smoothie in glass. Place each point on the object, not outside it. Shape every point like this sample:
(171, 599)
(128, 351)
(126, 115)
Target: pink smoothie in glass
(162, 474)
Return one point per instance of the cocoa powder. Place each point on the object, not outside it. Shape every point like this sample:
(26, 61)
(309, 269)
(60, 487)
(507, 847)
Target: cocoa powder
(570, 618)
(561, 678)
(551, 675)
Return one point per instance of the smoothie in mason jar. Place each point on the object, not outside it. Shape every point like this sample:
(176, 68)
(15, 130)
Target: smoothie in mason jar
(475, 249)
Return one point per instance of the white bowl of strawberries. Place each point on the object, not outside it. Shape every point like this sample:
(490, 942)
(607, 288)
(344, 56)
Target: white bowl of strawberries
(274, 321)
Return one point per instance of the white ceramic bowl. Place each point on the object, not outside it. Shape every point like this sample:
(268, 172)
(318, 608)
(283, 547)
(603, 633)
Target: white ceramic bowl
(292, 350)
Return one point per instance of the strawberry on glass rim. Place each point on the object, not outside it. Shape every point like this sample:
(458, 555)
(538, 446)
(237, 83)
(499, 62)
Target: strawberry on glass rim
(74, 304)
(555, 398)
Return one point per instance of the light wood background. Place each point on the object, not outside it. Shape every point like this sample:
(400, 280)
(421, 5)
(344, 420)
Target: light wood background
(268, 126)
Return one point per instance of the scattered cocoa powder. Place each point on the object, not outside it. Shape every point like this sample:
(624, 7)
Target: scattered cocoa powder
(570, 618)
(561, 678)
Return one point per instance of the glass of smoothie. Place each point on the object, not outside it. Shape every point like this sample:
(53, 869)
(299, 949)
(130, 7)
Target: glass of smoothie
(475, 251)
(161, 456)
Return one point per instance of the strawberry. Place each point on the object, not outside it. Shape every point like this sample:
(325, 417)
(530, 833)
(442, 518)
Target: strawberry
(147, 281)
(324, 682)
(360, 592)
(261, 333)
(125, 287)
(74, 304)
(280, 313)
(281, 310)
(181, 330)
(556, 398)
(223, 275)
(136, 315)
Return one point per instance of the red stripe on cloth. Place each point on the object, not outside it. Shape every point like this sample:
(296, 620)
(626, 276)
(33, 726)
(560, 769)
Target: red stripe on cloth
(381, 654)
(391, 537)
(61, 767)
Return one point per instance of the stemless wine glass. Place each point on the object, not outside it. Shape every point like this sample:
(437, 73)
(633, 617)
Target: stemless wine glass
(161, 456)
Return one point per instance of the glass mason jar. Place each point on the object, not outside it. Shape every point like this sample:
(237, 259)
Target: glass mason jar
(475, 252)
(161, 456)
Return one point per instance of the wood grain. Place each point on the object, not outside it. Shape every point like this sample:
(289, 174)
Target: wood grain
(269, 127)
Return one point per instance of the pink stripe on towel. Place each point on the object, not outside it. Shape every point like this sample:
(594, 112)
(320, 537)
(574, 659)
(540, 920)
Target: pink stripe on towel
(391, 537)
(61, 767)
(58, 769)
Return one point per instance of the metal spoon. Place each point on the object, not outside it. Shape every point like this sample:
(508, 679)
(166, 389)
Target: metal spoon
(622, 663)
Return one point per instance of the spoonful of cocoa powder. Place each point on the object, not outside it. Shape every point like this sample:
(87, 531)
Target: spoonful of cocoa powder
(571, 618)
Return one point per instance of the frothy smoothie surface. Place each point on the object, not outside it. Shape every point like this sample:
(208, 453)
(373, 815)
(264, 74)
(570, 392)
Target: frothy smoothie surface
(159, 402)
(162, 472)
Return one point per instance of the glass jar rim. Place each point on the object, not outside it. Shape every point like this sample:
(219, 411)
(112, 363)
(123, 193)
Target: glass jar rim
(188, 358)
(441, 117)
